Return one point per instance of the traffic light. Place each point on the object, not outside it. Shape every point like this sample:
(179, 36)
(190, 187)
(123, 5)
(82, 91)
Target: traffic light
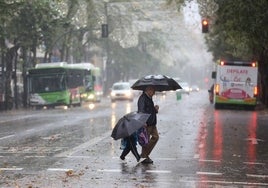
(104, 30)
(204, 26)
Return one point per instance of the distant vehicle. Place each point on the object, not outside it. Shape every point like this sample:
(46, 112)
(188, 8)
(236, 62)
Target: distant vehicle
(161, 93)
(195, 88)
(121, 91)
(185, 88)
(236, 83)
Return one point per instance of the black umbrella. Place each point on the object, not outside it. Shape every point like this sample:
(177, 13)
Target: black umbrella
(128, 124)
(159, 82)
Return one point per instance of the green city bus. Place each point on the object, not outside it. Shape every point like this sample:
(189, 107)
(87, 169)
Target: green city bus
(93, 91)
(55, 84)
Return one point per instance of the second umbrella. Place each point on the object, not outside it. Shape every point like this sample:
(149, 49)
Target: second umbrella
(128, 124)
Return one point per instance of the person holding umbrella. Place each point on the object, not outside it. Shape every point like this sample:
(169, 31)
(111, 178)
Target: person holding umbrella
(130, 143)
(126, 129)
(149, 84)
(146, 105)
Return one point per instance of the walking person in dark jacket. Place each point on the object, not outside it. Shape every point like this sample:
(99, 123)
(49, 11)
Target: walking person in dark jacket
(146, 105)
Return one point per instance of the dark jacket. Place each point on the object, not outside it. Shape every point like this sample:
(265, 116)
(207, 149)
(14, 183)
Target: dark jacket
(146, 105)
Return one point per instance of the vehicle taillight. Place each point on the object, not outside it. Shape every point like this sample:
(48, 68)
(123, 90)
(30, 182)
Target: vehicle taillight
(217, 89)
(253, 64)
(222, 63)
(255, 91)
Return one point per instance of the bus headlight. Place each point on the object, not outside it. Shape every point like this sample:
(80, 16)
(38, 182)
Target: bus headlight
(91, 96)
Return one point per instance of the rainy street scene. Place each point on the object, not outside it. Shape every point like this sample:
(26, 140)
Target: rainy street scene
(133, 94)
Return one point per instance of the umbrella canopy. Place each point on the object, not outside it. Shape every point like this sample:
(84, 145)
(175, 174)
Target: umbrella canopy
(159, 82)
(128, 124)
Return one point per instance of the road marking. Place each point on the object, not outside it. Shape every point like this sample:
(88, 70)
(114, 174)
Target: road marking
(9, 136)
(15, 119)
(257, 176)
(10, 169)
(206, 160)
(201, 181)
(30, 130)
(159, 171)
(232, 183)
(35, 156)
(196, 156)
(254, 163)
(254, 140)
(59, 169)
(109, 170)
(209, 173)
(84, 145)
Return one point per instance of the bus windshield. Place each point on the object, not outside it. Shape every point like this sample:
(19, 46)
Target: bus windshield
(47, 83)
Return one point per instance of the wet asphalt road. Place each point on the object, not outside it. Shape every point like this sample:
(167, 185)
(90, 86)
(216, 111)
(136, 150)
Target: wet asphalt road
(198, 147)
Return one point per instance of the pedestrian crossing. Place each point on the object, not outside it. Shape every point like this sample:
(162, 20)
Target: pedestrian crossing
(169, 173)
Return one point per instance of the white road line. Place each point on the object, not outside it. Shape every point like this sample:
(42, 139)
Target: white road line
(257, 176)
(159, 171)
(233, 183)
(209, 173)
(15, 119)
(30, 130)
(254, 163)
(9, 136)
(10, 169)
(206, 160)
(196, 156)
(59, 169)
(35, 156)
(84, 145)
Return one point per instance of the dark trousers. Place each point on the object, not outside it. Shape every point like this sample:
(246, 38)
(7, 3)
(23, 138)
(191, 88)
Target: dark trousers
(130, 146)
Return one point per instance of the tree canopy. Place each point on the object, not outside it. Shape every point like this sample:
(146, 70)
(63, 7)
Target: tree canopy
(238, 30)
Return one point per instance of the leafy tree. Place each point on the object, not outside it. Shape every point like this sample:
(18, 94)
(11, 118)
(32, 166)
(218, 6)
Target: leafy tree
(238, 30)
(22, 29)
(241, 29)
(6, 10)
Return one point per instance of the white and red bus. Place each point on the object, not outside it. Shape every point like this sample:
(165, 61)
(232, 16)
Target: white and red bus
(236, 83)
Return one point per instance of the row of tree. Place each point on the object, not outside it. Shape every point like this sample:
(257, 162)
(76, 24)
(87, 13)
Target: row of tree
(65, 30)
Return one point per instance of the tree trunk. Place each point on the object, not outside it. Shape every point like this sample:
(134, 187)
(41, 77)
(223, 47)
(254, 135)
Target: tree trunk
(263, 70)
(9, 68)
(24, 76)
(3, 77)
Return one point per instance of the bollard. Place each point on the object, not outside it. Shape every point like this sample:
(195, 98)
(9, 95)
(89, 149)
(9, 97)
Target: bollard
(178, 94)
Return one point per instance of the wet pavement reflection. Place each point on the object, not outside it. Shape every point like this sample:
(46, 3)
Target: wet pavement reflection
(198, 147)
